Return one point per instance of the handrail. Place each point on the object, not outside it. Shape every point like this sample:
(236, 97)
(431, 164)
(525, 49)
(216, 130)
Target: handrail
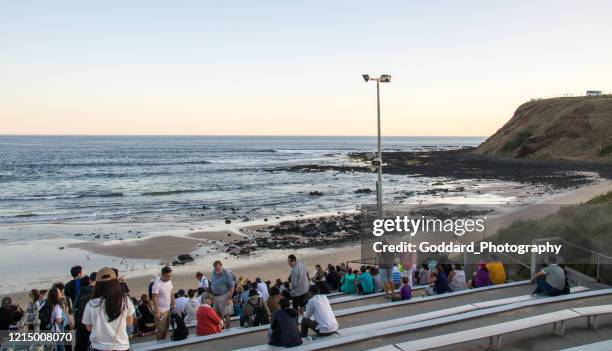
(598, 255)
(588, 250)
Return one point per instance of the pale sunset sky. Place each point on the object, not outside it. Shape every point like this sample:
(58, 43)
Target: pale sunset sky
(291, 67)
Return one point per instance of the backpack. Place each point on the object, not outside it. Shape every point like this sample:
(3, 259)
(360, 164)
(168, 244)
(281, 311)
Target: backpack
(179, 329)
(80, 307)
(77, 293)
(566, 287)
(31, 313)
(44, 315)
(260, 315)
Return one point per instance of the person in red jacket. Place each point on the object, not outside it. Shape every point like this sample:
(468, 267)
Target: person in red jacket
(208, 322)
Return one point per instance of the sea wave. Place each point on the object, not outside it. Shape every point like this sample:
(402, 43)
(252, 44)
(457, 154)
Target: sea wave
(109, 194)
(38, 197)
(172, 192)
(249, 151)
(109, 164)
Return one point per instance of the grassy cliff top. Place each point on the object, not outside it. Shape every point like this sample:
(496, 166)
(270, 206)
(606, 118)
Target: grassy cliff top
(577, 128)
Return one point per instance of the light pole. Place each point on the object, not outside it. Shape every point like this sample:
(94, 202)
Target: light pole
(385, 78)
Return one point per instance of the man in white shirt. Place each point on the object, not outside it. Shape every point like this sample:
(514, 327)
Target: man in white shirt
(318, 315)
(203, 282)
(163, 301)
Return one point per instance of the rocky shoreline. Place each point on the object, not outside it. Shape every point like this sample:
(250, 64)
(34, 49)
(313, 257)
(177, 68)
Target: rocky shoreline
(299, 233)
(465, 164)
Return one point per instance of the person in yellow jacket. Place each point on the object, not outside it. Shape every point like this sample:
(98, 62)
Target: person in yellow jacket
(497, 273)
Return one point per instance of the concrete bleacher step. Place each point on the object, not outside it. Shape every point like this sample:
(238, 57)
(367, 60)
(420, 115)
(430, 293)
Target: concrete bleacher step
(341, 299)
(192, 339)
(605, 345)
(376, 334)
(494, 332)
(338, 298)
(413, 319)
(349, 298)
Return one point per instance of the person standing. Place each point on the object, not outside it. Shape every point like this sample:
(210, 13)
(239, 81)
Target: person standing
(72, 290)
(385, 268)
(299, 282)
(203, 282)
(108, 314)
(82, 334)
(222, 288)
(163, 301)
(59, 319)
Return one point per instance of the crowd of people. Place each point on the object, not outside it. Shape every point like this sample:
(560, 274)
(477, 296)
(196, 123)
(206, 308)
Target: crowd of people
(99, 309)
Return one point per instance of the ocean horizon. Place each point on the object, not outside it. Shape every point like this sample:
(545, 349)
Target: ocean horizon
(178, 178)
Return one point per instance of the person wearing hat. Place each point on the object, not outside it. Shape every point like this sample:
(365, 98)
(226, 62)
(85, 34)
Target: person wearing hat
(108, 314)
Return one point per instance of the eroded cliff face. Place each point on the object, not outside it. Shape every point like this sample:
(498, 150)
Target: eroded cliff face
(560, 128)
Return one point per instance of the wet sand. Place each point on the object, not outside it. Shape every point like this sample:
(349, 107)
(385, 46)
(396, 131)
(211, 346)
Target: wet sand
(161, 247)
(271, 264)
(269, 267)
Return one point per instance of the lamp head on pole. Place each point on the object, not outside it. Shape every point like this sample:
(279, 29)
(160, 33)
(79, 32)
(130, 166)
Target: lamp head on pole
(385, 78)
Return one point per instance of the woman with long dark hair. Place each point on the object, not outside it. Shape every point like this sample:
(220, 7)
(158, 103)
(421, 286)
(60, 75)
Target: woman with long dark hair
(59, 320)
(109, 313)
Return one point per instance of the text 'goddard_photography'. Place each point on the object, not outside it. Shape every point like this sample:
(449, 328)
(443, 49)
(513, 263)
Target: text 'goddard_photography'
(317, 175)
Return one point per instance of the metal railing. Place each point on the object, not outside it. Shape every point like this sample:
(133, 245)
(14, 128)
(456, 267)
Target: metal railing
(598, 256)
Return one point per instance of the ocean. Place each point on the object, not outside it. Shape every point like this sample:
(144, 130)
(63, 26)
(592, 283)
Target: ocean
(57, 192)
(147, 179)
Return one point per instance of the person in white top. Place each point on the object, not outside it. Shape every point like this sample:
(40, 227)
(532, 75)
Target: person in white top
(262, 289)
(108, 314)
(203, 282)
(318, 315)
(456, 278)
(163, 301)
(191, 307)
(181, 301)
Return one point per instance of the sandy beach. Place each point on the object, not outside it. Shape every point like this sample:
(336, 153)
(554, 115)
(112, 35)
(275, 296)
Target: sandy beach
(271, 264)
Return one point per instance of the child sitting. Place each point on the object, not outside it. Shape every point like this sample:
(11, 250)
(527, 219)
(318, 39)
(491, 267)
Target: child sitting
(405, 292)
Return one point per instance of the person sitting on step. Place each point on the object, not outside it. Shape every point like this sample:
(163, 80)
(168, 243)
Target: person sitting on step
(318, 315)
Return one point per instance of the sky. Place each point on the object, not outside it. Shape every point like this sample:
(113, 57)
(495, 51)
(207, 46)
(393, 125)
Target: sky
(459, 68)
